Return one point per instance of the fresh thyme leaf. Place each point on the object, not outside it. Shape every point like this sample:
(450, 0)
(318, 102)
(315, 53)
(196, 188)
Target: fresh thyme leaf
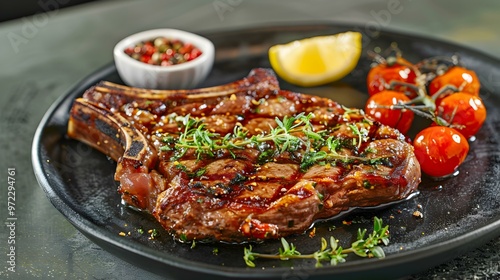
(200, 172)
(377, 224)
(168, 139)
(313, 135)
(333, 144)
(377, 252)
(165, 148)
(356, 132)
(280, 123)
(362, 233)
(287, 250)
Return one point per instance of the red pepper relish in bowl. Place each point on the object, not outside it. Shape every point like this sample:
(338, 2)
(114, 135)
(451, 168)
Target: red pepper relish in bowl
(164, 59)
(163, 51)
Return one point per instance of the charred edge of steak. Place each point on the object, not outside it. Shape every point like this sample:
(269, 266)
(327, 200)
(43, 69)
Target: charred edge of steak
(114, 136)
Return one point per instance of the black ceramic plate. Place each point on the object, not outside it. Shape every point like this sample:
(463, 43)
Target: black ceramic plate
(459, 214)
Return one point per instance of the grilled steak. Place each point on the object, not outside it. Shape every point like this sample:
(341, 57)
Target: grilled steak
(242, 161)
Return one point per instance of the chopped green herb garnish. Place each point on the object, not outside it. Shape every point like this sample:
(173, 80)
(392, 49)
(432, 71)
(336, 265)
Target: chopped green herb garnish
(295, 135)
(183, 237)
(154, 233)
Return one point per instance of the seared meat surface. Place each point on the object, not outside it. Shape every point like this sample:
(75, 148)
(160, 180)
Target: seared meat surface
(221, 163)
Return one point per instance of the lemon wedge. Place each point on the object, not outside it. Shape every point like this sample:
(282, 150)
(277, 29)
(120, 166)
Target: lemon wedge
(317, 60)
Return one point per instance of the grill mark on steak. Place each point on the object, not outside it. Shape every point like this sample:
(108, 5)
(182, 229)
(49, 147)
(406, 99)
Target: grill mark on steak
(244, 194)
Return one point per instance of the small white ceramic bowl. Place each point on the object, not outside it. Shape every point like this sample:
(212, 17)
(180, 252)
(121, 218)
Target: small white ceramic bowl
(180, 76)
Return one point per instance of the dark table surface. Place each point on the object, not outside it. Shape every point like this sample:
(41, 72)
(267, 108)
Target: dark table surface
(45, 55)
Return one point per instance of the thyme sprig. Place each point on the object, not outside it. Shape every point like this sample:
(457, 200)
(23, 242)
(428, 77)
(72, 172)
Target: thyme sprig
(291, 134)
(363, 247)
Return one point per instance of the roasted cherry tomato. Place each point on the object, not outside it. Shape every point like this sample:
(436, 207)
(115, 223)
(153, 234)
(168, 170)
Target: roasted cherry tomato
(396, 75)
(400, 119)
(463, 110)
(440, 150)
(459, 77)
